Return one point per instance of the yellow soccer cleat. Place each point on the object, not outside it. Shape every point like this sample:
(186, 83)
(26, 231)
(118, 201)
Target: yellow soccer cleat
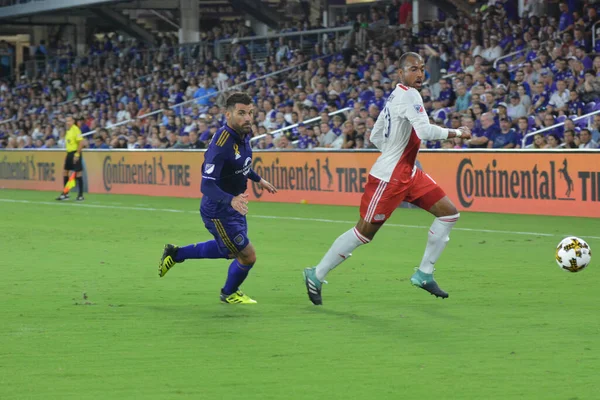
(237, 298)
(167, 260)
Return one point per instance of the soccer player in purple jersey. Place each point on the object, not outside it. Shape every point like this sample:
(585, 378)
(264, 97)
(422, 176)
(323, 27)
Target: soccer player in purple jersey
(225, 172)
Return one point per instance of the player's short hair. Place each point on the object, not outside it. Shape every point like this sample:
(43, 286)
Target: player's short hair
(238, 98)
(404, 58)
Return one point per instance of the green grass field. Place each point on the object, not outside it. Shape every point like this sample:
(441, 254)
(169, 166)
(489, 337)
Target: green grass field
(85, 315)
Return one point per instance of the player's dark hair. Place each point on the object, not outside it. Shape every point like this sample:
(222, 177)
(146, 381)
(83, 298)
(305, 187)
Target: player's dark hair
(238, 98)
(404, 58)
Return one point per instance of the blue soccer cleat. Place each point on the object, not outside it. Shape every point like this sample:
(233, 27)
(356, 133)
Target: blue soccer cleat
(313, 286)
(426, 282)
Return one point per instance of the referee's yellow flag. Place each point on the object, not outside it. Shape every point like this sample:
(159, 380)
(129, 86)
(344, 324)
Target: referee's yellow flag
(70, 183)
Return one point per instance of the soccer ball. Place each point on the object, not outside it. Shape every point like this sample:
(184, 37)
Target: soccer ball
(573, 254)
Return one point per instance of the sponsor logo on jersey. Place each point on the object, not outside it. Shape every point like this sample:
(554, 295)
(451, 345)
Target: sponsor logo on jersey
(247, 166)
(379, 217)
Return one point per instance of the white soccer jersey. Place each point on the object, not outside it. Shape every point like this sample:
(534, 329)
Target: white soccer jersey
(398, 132)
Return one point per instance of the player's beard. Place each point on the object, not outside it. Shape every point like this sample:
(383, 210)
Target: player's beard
(417, 84)
(244, 129)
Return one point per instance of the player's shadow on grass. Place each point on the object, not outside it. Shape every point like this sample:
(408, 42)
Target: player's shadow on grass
(397, 319)
(433, 310)
(380, 324)
(200, 312)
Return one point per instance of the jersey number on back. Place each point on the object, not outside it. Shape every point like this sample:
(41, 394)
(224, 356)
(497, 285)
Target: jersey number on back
(387, 121)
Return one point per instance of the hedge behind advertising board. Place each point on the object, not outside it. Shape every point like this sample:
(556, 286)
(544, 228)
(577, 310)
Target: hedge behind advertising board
(551, 183)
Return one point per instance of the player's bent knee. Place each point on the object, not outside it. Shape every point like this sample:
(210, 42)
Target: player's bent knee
(367, 229)
(452, 210)
(247, 256)
(444, 208)
(247, 259)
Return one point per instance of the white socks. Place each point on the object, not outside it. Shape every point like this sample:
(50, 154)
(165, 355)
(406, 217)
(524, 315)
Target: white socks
(438, 238)
(339, 251)
(343, 246)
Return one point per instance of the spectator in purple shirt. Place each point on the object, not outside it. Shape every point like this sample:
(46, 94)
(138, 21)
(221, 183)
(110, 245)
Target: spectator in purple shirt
(488, 130)
(505, 138)
(580, 41)
(308, 139)
(365, 92)
(535, 47)
(447, 95)
(575, 106)
(581, 55)
(523, 129)
(378, 100)
(540, 98)
(457, 64)
(548, 121)
(99, 143)
(566, 19)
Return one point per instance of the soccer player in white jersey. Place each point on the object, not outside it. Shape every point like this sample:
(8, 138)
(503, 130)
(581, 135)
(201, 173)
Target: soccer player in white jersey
(394, 178)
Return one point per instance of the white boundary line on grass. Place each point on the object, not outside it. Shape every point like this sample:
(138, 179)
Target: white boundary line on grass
(329, 221)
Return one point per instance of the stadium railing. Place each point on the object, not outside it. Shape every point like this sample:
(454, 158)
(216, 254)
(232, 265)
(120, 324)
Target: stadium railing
(258, 45)
(234, 87)
(74, 100)
(191, 52)
(549, 128)
(594, 35)
(125, 123)
(513, 67)
(277, 132)
(188, 53)
(195, 100)
(8, 3)
(6, 121)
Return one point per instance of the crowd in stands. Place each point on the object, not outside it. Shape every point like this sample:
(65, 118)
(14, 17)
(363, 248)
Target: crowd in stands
(553, 77)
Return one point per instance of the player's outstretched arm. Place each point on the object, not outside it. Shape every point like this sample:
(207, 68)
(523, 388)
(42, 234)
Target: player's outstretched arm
(267, 186)
(253, 176)
(462, 132)
(414, 110)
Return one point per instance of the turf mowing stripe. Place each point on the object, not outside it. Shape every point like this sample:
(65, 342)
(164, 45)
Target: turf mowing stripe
(329, 221)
